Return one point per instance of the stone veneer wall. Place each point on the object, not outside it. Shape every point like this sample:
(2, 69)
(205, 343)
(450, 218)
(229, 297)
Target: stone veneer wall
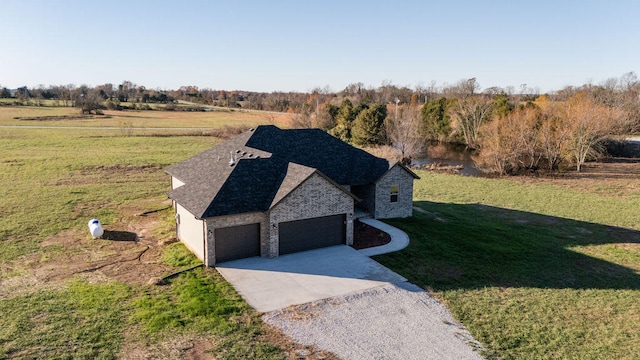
(315, 197)
(235, 220)
(384, 208)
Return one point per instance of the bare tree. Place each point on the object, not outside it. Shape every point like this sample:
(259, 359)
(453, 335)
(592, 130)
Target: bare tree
(462, 89)
(589, 124)
(404, 133)
(552, 137)
(470, 113)
(509, 143)
(302, 121)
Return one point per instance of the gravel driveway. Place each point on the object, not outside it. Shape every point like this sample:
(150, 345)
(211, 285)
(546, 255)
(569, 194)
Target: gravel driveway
(393, 321)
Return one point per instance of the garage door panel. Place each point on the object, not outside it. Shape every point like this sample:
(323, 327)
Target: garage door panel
(237, 242)
(313, 233)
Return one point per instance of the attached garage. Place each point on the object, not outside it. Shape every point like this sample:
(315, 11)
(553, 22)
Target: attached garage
(308, 234)
(237, 242)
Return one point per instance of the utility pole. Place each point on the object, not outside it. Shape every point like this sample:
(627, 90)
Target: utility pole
(397, 101)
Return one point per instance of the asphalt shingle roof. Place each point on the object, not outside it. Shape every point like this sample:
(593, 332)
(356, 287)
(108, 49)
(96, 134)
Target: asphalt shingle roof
(269, 163)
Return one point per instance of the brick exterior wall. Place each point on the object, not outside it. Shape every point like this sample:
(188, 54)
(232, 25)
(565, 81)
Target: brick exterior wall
(384, 208)
(235, 220)
(315, 197)
(367, 195)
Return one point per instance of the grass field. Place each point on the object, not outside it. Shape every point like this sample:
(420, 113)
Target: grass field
(535, 268)
(64, 296)
(139, 118)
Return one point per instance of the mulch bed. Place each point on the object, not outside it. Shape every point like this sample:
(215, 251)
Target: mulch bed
(365, 236)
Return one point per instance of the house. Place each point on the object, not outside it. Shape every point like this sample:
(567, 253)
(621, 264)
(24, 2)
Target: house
(269, 192)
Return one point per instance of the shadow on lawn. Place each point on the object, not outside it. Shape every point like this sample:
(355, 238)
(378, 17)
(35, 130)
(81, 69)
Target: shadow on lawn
(473, 246)
(119, 236)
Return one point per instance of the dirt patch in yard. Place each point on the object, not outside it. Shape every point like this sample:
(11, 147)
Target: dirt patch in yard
(365, 236)
(294, 350)
(128, 252)
(182, 347)
(63, 117)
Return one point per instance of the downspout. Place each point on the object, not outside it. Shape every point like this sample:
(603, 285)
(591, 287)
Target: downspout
(176, 216)
(204, 243)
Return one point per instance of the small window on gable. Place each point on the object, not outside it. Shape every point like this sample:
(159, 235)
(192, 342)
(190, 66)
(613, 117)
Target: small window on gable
(394, 193)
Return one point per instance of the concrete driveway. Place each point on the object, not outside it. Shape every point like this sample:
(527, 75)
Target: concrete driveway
(272, 284)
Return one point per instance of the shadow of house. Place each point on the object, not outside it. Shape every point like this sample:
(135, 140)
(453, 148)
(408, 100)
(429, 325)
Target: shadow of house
(119, 236)
(473, 246)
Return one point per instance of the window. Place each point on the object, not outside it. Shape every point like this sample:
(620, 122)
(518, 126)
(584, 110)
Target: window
(394, 193)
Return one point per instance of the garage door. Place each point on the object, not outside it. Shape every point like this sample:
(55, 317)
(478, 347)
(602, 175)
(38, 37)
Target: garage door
(313, 233)
(237, 242)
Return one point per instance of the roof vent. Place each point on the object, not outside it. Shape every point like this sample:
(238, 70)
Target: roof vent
(233, 160)
(237, 151)
(250, 155)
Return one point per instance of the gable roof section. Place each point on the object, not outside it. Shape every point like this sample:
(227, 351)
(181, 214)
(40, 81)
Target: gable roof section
(296, 176)
(269, 164)
(405, 168)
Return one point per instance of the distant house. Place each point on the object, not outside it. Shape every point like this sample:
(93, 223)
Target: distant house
(269, 192)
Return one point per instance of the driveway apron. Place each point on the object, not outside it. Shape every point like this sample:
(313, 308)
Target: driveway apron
(272, 284)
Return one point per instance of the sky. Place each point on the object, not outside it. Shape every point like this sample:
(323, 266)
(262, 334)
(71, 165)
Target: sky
(301, 45)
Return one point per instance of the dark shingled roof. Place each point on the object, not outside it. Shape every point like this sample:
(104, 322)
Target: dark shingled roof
(269, 164)
(314, 148)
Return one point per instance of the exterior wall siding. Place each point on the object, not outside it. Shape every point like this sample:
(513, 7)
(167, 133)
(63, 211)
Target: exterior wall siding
(384, 208)
(235, 220)
(190, 231)
(315, 197)
(175, 183)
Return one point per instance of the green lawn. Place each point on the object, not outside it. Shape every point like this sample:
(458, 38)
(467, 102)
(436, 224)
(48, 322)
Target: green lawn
(54, 180)
(534, 270)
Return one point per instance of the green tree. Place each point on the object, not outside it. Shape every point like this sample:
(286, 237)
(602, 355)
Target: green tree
(501, 105)
(368, 127)
(344, 121)
(5, 93)
(436, 122)
(23, 93)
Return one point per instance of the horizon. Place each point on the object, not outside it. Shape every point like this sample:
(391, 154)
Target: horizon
(291, 47)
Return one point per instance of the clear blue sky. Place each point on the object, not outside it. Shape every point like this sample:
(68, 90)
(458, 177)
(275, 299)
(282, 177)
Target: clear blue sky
(298, 45)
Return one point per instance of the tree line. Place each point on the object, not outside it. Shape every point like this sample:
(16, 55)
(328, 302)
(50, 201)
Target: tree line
(510, 130)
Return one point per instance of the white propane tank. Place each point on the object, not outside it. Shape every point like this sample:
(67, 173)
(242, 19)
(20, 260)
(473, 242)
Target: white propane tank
(95, 228)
